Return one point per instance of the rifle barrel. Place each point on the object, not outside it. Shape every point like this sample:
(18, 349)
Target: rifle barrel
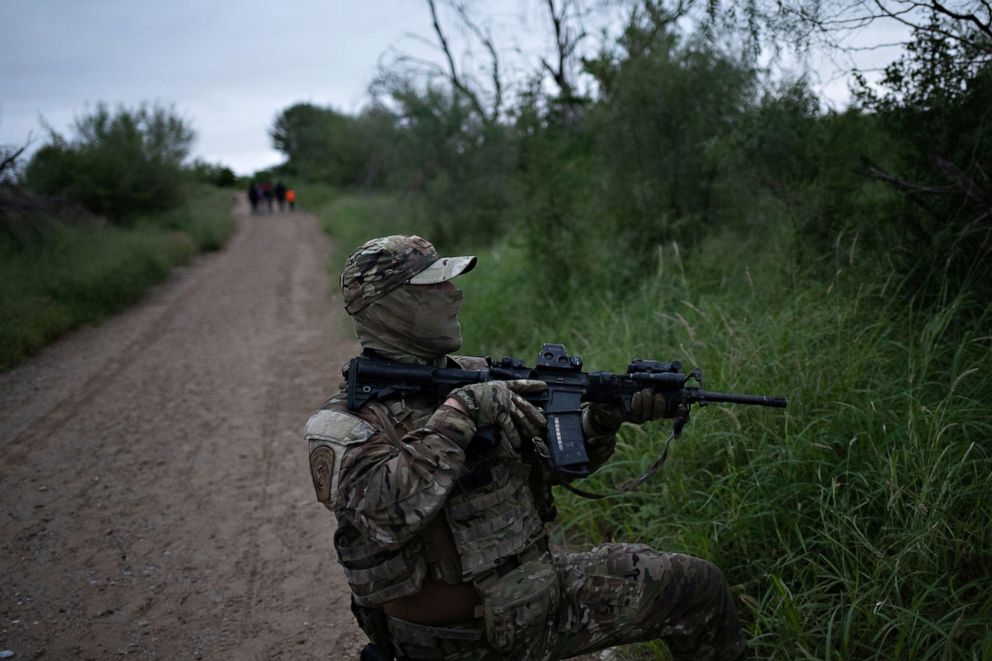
(754, 400)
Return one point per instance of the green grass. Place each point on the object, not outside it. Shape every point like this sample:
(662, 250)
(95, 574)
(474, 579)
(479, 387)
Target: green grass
(857, 524)
(82, 274)
(351, 219)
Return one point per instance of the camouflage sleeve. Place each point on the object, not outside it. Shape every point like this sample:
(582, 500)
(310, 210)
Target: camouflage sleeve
(391, 490)
(599, 426)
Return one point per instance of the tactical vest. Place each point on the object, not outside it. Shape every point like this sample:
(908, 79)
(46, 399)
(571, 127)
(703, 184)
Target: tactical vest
(490, 519)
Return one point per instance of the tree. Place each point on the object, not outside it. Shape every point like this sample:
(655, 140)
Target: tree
(322, 144)
(964, 22)
(936, 98)
(118, 164)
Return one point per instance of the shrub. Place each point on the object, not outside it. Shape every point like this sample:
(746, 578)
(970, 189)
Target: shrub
(213, 174)
(80, 273)
(118, 164)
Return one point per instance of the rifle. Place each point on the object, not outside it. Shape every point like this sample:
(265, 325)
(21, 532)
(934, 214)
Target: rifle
(568, 386)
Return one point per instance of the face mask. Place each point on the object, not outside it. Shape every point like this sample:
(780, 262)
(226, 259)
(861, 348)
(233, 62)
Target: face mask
(417, 322)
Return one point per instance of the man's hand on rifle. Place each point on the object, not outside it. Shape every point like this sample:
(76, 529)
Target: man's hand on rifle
(645, 405)
(498, 403)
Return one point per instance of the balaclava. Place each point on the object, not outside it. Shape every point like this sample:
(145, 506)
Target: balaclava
(392, 290)
(413, 323)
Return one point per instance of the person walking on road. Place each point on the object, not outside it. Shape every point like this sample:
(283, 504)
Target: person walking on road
(266, 187)
(253, 195)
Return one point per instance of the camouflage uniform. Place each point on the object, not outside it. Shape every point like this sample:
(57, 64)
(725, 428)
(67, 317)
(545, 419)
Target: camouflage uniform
(441, 534)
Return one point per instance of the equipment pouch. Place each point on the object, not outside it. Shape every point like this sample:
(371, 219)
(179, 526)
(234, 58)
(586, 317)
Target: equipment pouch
(518, 605)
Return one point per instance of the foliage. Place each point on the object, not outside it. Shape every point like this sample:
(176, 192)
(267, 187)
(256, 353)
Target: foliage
(846, 524)
(214, 174)
(853, 525)
(330, 147)
(119, 164)
(80, 273)
(691, 209)
(667, 124)
(936, 98)
(352, 219)
(455, 167)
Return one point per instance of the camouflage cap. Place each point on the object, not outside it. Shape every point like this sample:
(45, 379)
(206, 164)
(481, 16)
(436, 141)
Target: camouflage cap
(381, 265)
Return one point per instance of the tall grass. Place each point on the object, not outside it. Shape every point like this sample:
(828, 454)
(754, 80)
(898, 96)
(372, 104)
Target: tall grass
(857, 524)
(81, 274)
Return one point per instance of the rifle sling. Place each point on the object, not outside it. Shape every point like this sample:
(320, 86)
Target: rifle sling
(542, 450)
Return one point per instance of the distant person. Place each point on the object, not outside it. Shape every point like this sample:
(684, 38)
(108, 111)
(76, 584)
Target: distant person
(291, 198)
(253, 196)
(280, 192)
(267, 194)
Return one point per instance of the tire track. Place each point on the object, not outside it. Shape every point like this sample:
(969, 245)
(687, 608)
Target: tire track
(56, 416)
(157, 497)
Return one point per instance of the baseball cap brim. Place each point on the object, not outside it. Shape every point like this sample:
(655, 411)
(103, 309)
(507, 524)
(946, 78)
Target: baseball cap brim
(444, 269)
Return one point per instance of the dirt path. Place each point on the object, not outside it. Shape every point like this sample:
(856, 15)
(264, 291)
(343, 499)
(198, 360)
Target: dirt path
(155, 489)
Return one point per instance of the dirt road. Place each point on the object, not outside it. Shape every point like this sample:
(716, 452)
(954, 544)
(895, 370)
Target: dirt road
(156, 496)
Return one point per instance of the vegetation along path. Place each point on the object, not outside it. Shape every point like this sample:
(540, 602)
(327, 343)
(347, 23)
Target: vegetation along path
(156, 494)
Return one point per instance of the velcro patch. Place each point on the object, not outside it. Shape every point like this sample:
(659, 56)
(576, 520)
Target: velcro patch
(329, 434)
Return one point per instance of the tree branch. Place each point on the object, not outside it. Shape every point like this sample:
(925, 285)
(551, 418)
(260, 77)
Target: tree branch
(486, 39)
(9, 160)
(963, 183)
(897, 16)
(456, 81)
(875, 172)
(566, 44)
(983, 27)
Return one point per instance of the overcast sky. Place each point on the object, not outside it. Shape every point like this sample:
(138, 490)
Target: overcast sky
(228, 67)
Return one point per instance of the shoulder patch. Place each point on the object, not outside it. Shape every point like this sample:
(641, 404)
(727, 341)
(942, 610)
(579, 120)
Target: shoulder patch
(328, 435)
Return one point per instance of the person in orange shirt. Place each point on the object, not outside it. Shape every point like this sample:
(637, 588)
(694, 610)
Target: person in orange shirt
(291, 198)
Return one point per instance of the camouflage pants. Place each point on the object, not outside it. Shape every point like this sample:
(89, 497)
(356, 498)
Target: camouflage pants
(627, 593)
(623, 593)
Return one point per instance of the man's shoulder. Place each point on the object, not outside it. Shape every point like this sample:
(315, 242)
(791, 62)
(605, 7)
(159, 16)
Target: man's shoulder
(332, 433)
(333, 422)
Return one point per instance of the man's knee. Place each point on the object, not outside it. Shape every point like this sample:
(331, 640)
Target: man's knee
(698, 618)
(623, 593)
(698, 581)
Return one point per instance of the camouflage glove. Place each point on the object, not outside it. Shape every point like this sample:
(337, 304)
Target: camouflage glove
(497, 403)
(528, 419)
(598, 419)
(646, 405)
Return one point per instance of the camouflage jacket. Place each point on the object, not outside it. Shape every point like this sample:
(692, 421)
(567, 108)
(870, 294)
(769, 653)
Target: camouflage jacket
(417, 501)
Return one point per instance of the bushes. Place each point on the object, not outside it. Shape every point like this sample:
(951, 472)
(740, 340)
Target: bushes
(667, 131)
(81, 273)
(118, 165)
(853, 525)
(93, 221)
(692, 212)
(213, 174)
